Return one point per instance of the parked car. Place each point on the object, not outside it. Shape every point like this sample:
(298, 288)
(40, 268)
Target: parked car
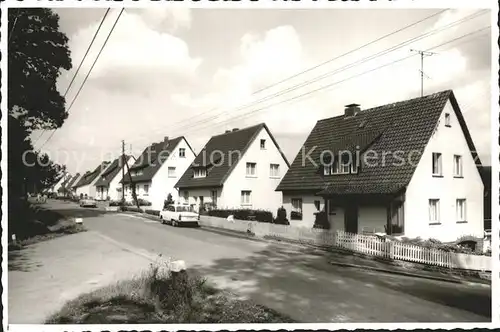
(177, 214)
(88, 202)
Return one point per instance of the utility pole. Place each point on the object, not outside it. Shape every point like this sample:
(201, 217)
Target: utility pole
(123, 172)
(422, 55)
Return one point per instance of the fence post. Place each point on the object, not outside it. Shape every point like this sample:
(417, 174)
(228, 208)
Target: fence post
(391, 250)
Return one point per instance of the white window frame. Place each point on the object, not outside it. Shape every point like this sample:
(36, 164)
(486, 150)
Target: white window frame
(182, 153)
(434, 204)
(246, 197)
(170, 175)
(200, 173)
(439, 165)
(461, 210)
(146, 189)
(262, 144)
(249, 167)
(458, 172)
(300, 207)
(274, 170)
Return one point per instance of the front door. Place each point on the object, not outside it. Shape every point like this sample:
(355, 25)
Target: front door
(351, 218)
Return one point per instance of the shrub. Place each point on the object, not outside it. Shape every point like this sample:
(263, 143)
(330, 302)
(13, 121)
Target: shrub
(115, 203)
(243, 214)
(153, 212)
(281, 217)
(143, 202)
(321, 220)
(131, 209)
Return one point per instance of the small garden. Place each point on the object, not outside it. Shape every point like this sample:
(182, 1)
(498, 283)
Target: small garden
(251, 215)
(160, 296)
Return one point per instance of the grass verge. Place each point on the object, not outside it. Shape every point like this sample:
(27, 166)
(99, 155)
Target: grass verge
(163, 297)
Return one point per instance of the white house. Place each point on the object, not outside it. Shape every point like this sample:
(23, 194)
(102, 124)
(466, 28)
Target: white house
(58, 186)
(108, 185)
(71, 185)
(157, 170)
(407, 168)
(85, 187)
(238, 169)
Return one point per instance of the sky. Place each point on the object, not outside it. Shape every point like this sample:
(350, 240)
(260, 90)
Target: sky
(198, 72)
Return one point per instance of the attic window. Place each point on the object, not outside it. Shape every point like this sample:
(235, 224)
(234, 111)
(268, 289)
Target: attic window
(200, 173)
(345, 167)
(447, 120)
(262, 144)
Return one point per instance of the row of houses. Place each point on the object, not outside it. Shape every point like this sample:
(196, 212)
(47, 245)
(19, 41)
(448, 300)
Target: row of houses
(408, 167)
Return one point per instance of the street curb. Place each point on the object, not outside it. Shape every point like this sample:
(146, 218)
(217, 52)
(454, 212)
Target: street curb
(407, 274)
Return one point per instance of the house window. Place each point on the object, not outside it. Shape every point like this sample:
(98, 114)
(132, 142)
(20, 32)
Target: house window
(251, 169)
(182, 153)
(262, 144)
(317, 205)
(437, 169)
(186, 196)
(457, 166)
(200, 173)
(340, 168)
(447, 120)
(434, 211)
(213, 195)
(246, 197)
(274, 170)
(296, 213)
(461, 210)
(146, 190)
(171, 172)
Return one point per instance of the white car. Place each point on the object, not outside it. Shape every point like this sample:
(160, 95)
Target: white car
(177, 214)
(88, 202)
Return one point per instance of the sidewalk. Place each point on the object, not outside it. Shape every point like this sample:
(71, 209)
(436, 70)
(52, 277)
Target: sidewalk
(43, 276)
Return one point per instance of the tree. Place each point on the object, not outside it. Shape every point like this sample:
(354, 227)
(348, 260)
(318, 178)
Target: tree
(37, 53)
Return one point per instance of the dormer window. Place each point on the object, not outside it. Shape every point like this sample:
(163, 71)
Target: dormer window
(200, 173)
(341, 167)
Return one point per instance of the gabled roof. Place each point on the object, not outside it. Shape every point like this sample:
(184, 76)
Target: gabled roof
(225, 157)
(404, 126)
(152, 158)
(73, 181)
(109, 174)
(66, 180)
(88, 177)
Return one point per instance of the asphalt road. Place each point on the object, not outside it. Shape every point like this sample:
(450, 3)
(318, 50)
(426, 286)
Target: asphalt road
(301, 285)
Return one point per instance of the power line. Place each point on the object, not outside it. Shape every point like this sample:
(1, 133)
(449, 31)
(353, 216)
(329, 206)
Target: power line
(352, 51)
(81, 63)
(327, 86)
(332, 59)
(90, 71)
(330, 73)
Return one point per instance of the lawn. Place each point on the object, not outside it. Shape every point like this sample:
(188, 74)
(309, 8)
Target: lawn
(158, 296)
(32, 224)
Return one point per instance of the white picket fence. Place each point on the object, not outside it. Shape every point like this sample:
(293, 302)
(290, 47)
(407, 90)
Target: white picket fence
(365, 244)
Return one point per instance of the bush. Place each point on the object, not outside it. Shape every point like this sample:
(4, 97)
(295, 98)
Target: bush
(321, 220)
(243, 214)
(436, 244)
(281, 217)
(153, 212)
(131, 209)
(143, 202)
(115, 203)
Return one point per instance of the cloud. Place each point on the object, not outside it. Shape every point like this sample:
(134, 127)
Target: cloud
(135, 52)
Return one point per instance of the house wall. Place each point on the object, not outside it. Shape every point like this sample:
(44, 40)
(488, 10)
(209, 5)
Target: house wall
(206, 193)
(115, 187)
(423, 186)
(308, 209)
(161, 184)
(262, 186)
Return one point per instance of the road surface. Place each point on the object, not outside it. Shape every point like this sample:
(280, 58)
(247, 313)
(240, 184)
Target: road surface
(286, 279)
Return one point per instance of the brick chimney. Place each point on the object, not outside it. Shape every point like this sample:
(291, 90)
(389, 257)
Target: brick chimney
(227, 131)
(165, 139)
(352, 109)
(236, 129)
